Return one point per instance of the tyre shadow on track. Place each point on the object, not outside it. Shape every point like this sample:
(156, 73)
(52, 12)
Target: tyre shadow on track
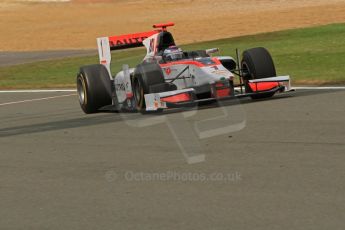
(105, 117)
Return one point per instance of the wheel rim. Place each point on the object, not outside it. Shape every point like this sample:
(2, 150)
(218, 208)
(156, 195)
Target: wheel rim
(81, 91)
(245, 70)
(137, 92)
(246, 76)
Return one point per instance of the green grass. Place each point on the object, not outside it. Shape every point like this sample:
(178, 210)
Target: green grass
(310, 56)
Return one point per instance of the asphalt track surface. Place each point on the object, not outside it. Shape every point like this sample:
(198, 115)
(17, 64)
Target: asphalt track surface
(61, 169)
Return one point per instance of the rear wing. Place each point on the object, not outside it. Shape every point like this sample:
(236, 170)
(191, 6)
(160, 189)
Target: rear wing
(108, 44)
(130, 40)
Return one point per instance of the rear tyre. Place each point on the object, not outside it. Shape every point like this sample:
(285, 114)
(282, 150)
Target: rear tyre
(257, 63)
(146, 75)
(94, 88)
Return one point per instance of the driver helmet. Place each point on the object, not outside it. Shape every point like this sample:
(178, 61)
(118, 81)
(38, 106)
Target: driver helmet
(172, 53)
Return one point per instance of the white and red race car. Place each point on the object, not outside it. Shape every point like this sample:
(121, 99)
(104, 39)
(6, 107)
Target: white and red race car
(169, 77)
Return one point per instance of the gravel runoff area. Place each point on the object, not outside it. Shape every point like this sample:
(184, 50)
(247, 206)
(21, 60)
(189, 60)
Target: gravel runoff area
(27, 26)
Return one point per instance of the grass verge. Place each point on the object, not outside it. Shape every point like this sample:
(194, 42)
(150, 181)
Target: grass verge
(313, 56)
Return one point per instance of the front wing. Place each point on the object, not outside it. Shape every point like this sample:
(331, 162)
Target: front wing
(187, 97)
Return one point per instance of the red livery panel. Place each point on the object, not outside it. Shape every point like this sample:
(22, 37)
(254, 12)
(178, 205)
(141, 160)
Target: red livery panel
(263, 86)
(191, 62)
(163, 25)
(177, 98)
(129, 40)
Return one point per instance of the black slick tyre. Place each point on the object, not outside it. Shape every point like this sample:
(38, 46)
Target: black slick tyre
(257, 63)
(93, 88)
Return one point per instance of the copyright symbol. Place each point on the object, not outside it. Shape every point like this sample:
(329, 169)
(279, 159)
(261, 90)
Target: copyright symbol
(111, 176)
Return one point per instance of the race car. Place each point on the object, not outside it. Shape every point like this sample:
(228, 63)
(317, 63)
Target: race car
(169, 77)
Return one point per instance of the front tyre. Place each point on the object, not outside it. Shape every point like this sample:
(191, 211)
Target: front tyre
(257, 63)
(139, 92)
(93, 88)
(145, 76)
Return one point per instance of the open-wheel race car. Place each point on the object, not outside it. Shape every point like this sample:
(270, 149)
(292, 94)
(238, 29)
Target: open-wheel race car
(169, 77)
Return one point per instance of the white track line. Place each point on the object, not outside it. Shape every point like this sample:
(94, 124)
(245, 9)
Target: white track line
(38, 91)
(320, 87)
(37, 99)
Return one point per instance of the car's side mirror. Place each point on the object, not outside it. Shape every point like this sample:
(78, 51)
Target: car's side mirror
(211, 51)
